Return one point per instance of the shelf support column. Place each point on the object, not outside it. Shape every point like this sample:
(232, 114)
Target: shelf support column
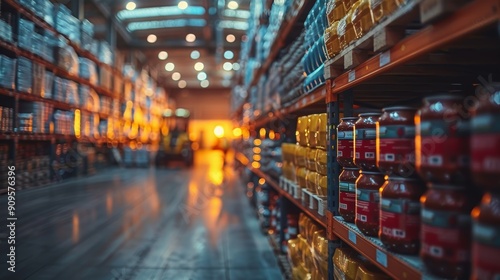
(333, 170)
(78, 9)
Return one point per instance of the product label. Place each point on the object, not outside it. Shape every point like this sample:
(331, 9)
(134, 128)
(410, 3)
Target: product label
(485, 251)
(446, 235)
(345, 148)
(485, 152)
(396, 131)
(367, 206)
(365, 143)
(400, 218)
(484, 124)
(347, 196)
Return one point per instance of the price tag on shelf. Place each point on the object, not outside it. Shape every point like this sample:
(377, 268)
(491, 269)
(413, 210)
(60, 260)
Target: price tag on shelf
(381, 258)
(352, 76)
(385, 58)
(352, 237)
(304, 101)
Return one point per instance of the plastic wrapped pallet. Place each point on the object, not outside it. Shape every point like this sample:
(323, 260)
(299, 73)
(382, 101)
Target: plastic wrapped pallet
(7, 72)
(25, 34)
(46, 8)
(24, 75)
(38, 79)
(5, 31)
(29, 4)
(88, 70)
(87, 34)
(67, 24)
(67, 58)
(49, 85)
(105, 78)
(59, 89)
(72, 93)
(105, 53)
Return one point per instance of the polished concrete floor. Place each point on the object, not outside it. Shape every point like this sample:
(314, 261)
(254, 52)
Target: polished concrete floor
(140, 224)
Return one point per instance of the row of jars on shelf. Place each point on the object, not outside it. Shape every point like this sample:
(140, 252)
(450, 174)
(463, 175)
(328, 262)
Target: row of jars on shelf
(388, 156)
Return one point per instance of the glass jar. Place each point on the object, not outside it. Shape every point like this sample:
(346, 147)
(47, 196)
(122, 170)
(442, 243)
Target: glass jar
(446, 231)
(322, 162)
(486, 238)
(311, 159)
(365, 139)
(347, 193)
(301, 133)
(442, 140)
(345, 142)
(400, 214)
(312, 134)
(485, 139)
(322, 131)
(396, 141)
(367, 202)
(322, 188)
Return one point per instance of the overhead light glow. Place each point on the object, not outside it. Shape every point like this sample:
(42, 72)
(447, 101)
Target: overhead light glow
(228, 55)
(198, 66)
(202, 76)
(236, 66)
(226, 83)
(230, 38)
(130, 6)
(182, 84)
(231, 24)
(183, 5)
(162, 55)
(195, 54)
(233, 5)
(152, 38)
(169, 66)
(190, 37)
(236, 14)
(176, 76)
(160, 24)
(204, 84)
(228, 66)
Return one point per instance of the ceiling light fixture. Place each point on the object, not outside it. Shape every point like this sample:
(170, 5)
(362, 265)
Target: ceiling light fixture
(198, 66)
(152, 38)
(162, 55)
(226, 83)
(176, 76)
(230, 38)
(169, 66)
(228, 66)
(195, 54)
(228, 55)
(233, 5)
(182, 84)
(236, 66)
(204, 84)
(183, 5)
(202, 76)
(190, 38)
(130, 6)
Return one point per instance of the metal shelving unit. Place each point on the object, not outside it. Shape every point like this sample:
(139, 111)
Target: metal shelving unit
(399, 61)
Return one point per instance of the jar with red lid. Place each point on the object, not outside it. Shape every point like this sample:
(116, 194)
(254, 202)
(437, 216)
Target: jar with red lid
(486, 238)
(442, 141)
(367, 202)
(400, 214)
(446, 231)
(396, 141)
(345, 142)
(365, 135)
(485, 138)
(347, 193)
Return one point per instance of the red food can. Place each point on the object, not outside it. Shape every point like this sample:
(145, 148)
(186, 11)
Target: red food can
(365, 136)
(442, 141)
(396, 141)
(485, 139)
(486, 238)
(345, 142)
(400, 214)
(367, 202)
(347, 193)
(446, 231)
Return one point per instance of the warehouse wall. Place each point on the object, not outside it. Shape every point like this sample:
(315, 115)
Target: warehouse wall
(209, 108)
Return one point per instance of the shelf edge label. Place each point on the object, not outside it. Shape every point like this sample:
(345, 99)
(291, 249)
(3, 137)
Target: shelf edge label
(352, 237)
(385, 58)
(352, 76)
(381, 258)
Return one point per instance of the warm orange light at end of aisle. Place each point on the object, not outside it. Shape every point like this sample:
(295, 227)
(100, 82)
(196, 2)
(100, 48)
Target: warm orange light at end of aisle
(272, 135)
(256, 150)
(237, 132)
(77, 123)
(219, 131)
(256, 157)
(262, 181)
(257, 142)
(255, 165)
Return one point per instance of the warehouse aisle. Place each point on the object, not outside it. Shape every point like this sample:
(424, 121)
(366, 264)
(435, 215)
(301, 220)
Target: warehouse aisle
(141, 224)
